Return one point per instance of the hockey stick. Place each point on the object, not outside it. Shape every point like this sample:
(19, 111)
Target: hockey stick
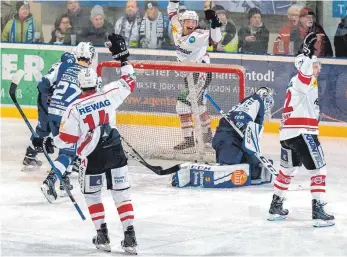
(156, 169)
(14, 84)
(267, 164)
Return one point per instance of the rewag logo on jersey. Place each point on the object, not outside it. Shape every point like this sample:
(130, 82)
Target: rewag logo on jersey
(94, 107)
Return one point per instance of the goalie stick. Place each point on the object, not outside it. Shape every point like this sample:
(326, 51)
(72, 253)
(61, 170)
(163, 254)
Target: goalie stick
(156, 169)
(14, 84)
(267, 164)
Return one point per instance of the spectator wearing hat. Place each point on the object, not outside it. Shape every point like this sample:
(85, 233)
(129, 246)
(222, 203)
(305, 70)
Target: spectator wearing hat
(307, 25)
(255, 37)
(78, 16)
(340, 39)
(62, 31)
(22, 28)
(154, 27)
(229, 42)
(283, 44)
(98, 29)
(129, 25)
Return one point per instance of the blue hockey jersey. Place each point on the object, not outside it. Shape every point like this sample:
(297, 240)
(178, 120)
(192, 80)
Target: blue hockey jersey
(62, 80)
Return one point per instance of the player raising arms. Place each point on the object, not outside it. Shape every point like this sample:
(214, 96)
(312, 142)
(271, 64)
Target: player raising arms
(88, 126)
(30, 161)
(191, 45)
(299, 137)
(66, 90)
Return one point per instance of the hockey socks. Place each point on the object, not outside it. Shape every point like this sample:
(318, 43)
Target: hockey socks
(126, 214)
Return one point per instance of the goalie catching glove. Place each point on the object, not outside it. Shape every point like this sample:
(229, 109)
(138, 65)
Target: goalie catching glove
(210, 15)
(46, 142)
(117, 47)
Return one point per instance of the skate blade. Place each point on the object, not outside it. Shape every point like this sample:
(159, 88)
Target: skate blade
(45, 189)
(323, 223)
(276, 217)
(130, 250)
(29, 168)
(104, 247)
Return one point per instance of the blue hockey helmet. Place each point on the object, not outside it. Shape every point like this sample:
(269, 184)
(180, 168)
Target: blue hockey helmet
(67, 57)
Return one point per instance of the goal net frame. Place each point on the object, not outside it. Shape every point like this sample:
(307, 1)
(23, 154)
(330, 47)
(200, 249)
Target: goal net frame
(238, 70)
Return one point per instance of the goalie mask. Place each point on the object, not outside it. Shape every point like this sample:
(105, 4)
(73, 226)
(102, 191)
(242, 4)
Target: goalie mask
(85, 50)
(265, 94)
(87, 79)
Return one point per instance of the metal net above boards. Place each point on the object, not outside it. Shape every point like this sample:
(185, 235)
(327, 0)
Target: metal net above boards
(148, 119)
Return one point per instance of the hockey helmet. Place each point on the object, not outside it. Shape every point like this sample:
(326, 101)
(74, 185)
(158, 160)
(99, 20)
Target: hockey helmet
(67, 57)
(299, 60)
(265, 94)
(85, 50)
(87, 78)
(189, 15)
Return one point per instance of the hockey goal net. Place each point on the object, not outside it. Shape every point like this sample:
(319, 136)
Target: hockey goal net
(148, 119)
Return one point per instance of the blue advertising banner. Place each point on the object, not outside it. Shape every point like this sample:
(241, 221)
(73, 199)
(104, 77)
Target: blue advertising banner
(157, 90)
(339, 9)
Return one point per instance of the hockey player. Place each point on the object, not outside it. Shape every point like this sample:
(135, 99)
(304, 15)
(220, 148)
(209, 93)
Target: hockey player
(66, 90)
(191, 45)
(299, 137)
(88, 123)
(232, 149)
(30, 160)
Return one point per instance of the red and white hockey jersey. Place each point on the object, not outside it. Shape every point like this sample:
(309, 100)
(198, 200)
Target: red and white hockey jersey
(193, 47)
(80, 125)
(301, 107)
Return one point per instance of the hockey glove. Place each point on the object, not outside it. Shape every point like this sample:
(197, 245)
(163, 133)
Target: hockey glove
(210, 15)
(308, 46)
(76, 164)
(117, 47)
(46, 142)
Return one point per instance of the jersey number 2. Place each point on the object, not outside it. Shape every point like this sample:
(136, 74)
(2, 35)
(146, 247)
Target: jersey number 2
(288, 108)
(103, 119)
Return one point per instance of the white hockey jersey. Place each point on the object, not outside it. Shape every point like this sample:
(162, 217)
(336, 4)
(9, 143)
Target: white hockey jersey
(301, 107)
(80, 125)
(193, 47)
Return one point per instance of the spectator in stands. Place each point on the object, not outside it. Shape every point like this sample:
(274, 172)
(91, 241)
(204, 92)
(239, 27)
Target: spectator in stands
(62, 31)
(128, 25)
(8, 10)
(255, 37)
(22, 28)
(78, 16)
(283, 43)
(306, 25)
(98, 29)
(229, 42)
(154, 27)
(340, 39)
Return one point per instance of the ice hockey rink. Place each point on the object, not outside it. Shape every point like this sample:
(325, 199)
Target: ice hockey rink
(170, 221)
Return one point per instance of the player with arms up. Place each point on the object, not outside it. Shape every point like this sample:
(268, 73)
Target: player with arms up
(30, 161)
(299, 137)
(66, 90)
(88, 127)
(232, 149)
(191, 45)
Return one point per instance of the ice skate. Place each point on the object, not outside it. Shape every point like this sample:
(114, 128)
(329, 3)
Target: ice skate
(66, 179)
(188, 142)
(319, 216)
(48, 188)
(129, 243)
(30, 161)
(101, 240)
(276, 211)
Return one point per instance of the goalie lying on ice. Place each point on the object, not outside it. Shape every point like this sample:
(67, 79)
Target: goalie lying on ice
(235, 147)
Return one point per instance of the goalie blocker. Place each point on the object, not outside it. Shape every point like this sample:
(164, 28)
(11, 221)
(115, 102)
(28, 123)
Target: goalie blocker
(220, 176)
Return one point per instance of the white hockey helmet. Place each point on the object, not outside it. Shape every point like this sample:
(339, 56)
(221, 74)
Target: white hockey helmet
(85, 50)
(265, 94)
(189, 15)
(87, 78)
(299, 60)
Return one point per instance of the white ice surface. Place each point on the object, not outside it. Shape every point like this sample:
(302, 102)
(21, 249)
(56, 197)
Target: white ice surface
(170, 221)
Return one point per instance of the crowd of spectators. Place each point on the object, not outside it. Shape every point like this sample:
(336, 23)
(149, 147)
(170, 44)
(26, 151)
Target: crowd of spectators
(149, 27)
